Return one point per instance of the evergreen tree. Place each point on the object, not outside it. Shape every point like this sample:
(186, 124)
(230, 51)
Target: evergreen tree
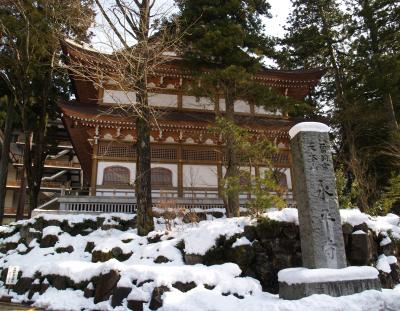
(29, 56)
(225, 44)
(359, 47)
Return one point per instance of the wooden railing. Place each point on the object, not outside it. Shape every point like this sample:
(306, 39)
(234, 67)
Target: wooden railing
(118, 204)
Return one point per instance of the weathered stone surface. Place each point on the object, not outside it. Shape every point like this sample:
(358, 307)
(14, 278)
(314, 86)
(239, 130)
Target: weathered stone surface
(362, 250)
(193, 259)
(23, 285)
(335, 289)
(119, 294)
(69, 249)
(136, 305)
(105, 284)
(184, 287)
(321, 233)
(161, 259)
(156, 297)
(48, 241)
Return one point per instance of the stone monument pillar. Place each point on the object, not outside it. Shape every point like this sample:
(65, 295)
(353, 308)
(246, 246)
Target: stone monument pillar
(322, 244)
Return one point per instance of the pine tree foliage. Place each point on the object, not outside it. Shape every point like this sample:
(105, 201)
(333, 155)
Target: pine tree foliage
(358, 42)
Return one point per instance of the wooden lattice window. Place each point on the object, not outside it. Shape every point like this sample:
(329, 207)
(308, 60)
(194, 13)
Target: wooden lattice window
(116, 175)
(117, 150)
(163, 153)
(161, 177)
(199, 155)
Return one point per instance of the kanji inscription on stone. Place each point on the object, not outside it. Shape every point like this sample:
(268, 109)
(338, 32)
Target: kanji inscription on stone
(315, 192)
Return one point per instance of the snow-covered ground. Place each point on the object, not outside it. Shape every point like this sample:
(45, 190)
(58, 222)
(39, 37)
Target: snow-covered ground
(218, 287)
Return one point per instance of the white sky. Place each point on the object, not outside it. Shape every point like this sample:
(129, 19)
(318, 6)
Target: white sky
(274, 26)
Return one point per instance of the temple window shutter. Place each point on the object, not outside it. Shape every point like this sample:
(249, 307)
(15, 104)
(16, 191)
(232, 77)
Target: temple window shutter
(161, 177)
(116, 175)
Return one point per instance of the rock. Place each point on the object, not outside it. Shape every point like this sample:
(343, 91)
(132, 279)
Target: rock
(58, 281)
(161, 259)
(281, 261)
(88, 292)
(362, 249)
(362, 227)
(23, 285)
(119, 294)
(69, 249)
(35, 288)
(193, 259)
(89, 247)
(48, 241)
(347, 228)
(250, 233)
(116, 252)
(154, 238)
(290, 230)
(136, 305)
(99, 256)
(29, 234)
(156, 297)
(184, 287)
(241, 255)
(105, 284)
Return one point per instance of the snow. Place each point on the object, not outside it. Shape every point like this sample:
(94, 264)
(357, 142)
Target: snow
(308, 127)
(241, 241)
(385, 241)
(358, 232)
(224, 279)
(383, 264)
(304, 275)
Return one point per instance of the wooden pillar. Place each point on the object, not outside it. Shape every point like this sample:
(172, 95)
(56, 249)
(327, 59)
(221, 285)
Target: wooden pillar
(180, 172)
(93, 180)
(220, 158)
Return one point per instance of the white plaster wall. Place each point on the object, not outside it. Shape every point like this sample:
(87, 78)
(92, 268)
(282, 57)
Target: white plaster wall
(172, 167)
(192, 102)
(119, 97)
(101, 165)
(200, 176)
(242, 106)
(239, 105)
(163, 100)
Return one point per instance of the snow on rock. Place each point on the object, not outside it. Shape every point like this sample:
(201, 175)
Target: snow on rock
(308, 127)
(385, 241)
(218, 287)
(383, 264)
(304, 275)
(201, 238)
(241, 241)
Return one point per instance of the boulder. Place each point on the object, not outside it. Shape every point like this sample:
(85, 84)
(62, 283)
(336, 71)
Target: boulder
(119, 294)
(184, 287)
(89, 247)
(362, 249)
(193, 259)
(105, 284)
(23, 285)
(29, 234)
(69, 249)
(156, 301)
(48, 241)
(136, 305)
(161, 259)
(99, 256)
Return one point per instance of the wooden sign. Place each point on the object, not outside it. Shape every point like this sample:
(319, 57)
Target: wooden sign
(12, 275)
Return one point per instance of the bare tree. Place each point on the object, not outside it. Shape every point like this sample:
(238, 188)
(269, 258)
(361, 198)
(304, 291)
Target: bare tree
(139, 40)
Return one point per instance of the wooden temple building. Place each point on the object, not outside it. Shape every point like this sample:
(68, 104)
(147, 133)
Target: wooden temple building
(187, 159)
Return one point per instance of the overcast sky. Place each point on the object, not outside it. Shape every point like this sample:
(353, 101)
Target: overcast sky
(274, 26)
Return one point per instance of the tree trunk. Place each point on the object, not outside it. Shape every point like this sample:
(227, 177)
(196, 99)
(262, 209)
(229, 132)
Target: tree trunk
(145, 222)
(232, 168)
(22, 197)
(391, 115)
(5, 154)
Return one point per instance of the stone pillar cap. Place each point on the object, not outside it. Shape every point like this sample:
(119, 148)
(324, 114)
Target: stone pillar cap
(308, 127)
